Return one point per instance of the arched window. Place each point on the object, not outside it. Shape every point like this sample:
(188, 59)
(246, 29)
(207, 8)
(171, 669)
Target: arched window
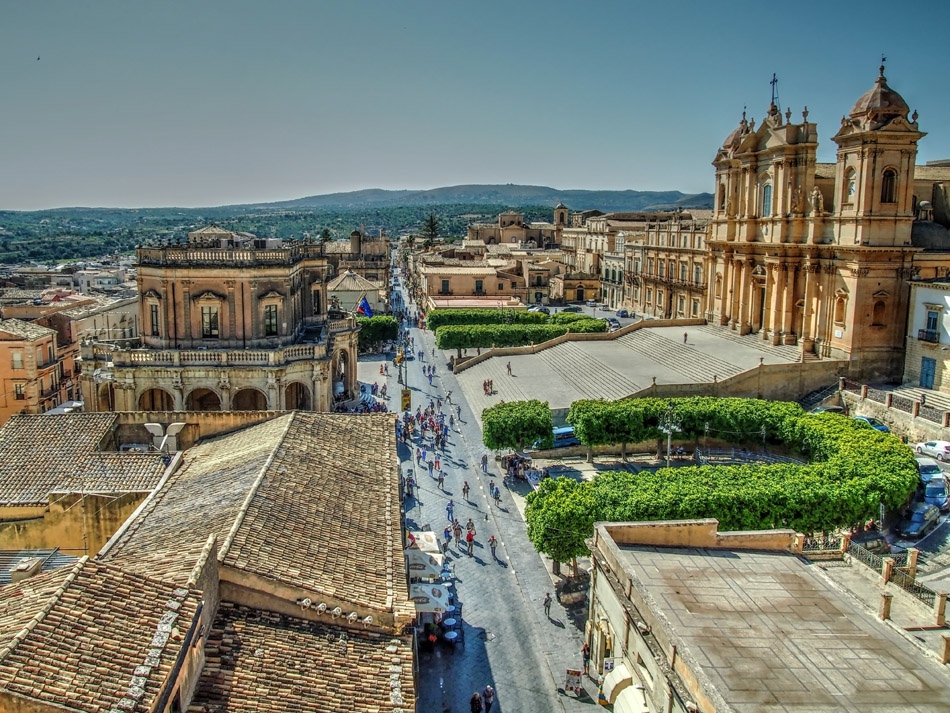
(767, 200)
(722, 197)
(877, 314)
(840, 304)
(850, 185)
(889, 186)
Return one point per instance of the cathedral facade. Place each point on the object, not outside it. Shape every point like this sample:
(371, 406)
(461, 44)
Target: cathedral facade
(818, 254)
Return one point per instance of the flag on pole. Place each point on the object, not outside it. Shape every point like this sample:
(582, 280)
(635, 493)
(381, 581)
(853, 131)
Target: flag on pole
(363, 308)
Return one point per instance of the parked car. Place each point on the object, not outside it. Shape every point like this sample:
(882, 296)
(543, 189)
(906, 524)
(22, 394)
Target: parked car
(591, 303)
(920, 519)
(572, 308)
(612, 324)
(935, 493)
(874, 423)
(937, 449)
(928, 468)
(829, 409)
(622, 313)
(563, 437)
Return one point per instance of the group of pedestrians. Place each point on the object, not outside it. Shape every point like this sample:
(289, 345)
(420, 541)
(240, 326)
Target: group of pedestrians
(482, 702)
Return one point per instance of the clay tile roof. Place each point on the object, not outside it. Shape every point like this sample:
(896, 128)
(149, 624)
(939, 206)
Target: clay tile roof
(350, 281)
(23, 330)
(91, 637)
(325, 516)
(202, 498)
(262, 662)
(45, 454)
(309, 499)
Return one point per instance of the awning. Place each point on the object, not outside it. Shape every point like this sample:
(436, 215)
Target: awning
(426, 541)
(631, 700)
(429, 597)
(423, 564)
(616, 681)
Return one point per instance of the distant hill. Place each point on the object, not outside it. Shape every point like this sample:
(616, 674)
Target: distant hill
(508, 195)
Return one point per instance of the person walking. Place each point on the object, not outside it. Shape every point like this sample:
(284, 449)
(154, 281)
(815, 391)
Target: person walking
(493, 544)
(450, 511)
(508, 367)
(685, 337)
(484, 462)
(470, 526)
(475, 705)
(465, 490)
(497, 496)
(585, 654)
(447, 533)
(441, 481)
(547, 605)
(488, 697)
(457, 532)
(470, 541)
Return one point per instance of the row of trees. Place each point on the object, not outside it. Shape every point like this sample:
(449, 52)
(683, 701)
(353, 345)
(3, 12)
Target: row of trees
(853, 470)
(484, 328)
(375, 330)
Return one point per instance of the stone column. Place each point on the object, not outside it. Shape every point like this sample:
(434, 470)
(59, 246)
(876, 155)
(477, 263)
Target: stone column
(232, 313)
(186, 309)
(807, 310)
(744, 301)
(734, 313)
(788, 305)
(725, 296)
(777, 292)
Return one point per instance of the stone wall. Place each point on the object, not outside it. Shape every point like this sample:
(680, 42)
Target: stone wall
(201, 424)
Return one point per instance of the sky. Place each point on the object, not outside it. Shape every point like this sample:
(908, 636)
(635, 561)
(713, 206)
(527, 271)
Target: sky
(201, 103)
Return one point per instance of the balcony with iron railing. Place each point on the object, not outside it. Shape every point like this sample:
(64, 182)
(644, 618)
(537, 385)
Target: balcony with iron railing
(932, 336)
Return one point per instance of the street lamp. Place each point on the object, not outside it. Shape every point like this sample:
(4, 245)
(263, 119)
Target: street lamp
(670, 423)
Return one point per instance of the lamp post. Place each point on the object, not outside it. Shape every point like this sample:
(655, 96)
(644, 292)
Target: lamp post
(670, 423)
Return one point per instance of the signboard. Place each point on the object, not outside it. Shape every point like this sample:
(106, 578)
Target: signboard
(573, 682)
(609, 665)
(406, 400)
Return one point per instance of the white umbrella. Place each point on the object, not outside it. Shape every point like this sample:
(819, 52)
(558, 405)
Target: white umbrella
(423, 564)
(426, 541)
(429, 597)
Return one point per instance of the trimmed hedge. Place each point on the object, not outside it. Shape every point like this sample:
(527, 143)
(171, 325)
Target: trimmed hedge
(443, 317)
(853, 470)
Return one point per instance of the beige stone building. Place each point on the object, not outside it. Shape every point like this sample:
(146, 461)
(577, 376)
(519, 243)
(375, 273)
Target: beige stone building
(667, 268)
(511, 229)
(819, 254)
(229, 321)
(684, 618)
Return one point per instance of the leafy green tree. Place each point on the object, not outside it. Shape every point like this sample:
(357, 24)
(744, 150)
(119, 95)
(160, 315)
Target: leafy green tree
(325, 235)
(560, 510)
(376, 329)
(512, 425)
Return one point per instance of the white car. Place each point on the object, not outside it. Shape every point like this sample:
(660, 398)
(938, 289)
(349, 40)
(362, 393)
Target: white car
(937, 449)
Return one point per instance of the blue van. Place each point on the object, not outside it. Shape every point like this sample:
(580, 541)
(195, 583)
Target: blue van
(563, 437)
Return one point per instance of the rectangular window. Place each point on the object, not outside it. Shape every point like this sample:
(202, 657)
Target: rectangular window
(695, 308)
(682, 305)
(270, 320)
(697, 274)
(17, 359)
(649, 295)
(445, 287)
(636, 293)
(659, 299)
(209, 322)
(650, 266)
(49, 354)
(933, 320)
(153, 310)
(662, 266)
(514, 285)
(683, 272)
(19, 391)
(479, 286)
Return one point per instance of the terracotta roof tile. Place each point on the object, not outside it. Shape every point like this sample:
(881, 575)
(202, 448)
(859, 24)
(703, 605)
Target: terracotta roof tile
(95, 638)
(203, 497)
(44, 454)
(24, 330)
(258, 661)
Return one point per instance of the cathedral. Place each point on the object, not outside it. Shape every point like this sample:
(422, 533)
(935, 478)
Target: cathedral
(820, 254)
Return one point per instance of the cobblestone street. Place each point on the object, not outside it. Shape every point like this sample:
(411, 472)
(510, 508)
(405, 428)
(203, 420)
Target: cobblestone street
(508, 641)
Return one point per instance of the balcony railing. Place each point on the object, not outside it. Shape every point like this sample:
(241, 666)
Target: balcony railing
(928, 335)
(445, 292)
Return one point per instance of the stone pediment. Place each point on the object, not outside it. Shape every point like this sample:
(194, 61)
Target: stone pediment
(152, 295)
(881, 293)
(272, 295)
(208, 296)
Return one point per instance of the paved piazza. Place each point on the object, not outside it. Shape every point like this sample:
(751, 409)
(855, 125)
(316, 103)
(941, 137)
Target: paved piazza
(623, 366)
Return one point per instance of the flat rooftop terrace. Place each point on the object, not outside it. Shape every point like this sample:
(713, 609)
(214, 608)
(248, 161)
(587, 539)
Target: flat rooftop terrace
(766, 633)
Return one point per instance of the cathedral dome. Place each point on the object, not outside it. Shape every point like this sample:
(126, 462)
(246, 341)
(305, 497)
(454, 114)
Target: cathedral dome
(733, 140)
(880, 102)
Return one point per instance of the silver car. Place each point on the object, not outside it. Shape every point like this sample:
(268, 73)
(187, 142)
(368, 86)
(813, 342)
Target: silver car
(936, 449)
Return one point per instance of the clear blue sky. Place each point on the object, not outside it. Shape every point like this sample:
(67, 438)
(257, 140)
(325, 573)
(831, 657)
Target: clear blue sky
(202, 103)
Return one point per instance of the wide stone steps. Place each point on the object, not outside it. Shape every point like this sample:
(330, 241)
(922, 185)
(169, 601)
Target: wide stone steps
(791, 352)
(693, 364)
(573, 364)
